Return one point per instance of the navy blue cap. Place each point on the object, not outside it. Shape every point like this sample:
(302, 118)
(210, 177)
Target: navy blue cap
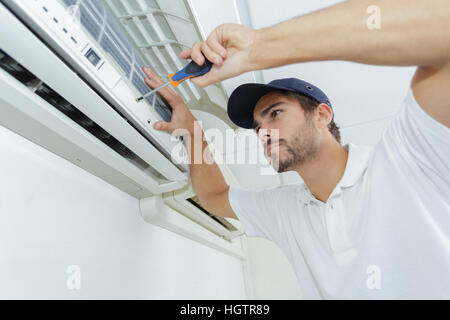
(244, 98)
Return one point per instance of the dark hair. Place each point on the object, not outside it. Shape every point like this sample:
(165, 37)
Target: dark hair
(309, 105)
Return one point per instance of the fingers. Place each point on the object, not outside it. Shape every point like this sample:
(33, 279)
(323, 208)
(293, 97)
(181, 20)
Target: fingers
(216, 47)
(204, 80)
(210, 54)
(152, 75)
(163, 126)
(211, 49)
(196, 54)
(153, 81)
(185, 54)
(216, 56)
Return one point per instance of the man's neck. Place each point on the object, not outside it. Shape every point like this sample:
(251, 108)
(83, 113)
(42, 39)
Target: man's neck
(322, 174)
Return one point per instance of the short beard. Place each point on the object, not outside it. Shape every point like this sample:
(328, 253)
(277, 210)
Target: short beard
(302, 149)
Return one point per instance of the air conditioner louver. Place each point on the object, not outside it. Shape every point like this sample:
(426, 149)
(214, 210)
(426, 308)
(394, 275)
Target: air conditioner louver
(186, 202)
(194, 201)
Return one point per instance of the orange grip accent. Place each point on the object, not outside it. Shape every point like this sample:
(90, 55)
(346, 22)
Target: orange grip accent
(176, 83)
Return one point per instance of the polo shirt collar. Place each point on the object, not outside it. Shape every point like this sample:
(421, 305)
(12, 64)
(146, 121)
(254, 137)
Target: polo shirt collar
(357, 163)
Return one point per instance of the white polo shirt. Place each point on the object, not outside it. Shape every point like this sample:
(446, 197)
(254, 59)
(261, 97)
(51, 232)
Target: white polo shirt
(384, 232)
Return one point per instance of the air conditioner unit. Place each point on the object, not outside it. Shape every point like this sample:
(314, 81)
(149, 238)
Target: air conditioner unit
(70, 71)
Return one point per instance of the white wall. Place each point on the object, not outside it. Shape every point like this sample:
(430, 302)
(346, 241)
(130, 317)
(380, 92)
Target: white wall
(54, 214)
(272, 274)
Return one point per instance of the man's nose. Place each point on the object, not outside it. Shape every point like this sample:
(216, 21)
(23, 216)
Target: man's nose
(264, 135)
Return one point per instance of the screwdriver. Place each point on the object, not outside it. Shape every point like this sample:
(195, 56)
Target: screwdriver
(191, 70)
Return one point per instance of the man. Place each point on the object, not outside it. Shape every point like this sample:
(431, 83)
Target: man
(367, 222)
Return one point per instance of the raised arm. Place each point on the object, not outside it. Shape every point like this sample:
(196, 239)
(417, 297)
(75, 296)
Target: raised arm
(206, 177)
(411, 33)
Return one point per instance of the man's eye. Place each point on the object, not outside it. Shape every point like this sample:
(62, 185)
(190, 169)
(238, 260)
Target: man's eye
(273, 113)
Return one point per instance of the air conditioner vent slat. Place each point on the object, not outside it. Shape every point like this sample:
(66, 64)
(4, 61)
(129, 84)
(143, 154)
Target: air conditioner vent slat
(145, 26)
(87, 20)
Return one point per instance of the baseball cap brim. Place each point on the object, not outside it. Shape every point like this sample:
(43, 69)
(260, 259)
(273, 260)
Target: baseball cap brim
(243, 100)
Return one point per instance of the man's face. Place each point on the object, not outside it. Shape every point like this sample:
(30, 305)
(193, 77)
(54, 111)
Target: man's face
(298, 139)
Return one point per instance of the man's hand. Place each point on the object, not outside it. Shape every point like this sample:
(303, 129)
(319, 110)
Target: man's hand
(228, 47)
(182, 117)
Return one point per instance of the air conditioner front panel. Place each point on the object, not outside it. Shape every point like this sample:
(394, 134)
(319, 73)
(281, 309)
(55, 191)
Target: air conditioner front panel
(24, 112)
(49, 67)
(105, 77)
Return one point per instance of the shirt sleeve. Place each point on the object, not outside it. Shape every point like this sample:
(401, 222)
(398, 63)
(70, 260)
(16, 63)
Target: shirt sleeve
(256, 212)
(420, 141)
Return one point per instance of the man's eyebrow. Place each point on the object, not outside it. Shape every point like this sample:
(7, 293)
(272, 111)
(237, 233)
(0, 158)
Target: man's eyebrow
(266, 111)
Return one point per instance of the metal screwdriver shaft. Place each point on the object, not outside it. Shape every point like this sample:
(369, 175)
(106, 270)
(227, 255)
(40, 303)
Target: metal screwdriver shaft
(151, 92)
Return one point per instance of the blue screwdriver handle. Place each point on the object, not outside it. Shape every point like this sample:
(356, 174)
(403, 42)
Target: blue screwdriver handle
(191, 70)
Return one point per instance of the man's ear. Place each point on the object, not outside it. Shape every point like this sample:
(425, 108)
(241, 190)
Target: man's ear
(325, 114)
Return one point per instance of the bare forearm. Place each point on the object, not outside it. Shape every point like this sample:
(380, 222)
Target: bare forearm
(207, 179)
(412, 32)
